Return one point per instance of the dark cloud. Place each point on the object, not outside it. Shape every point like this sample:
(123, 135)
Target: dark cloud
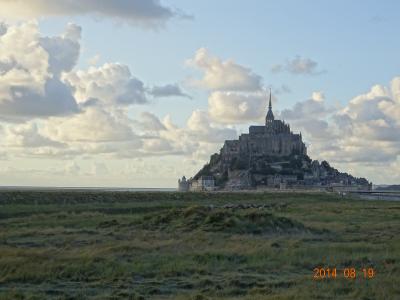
(26, 103)
(169, 90)
(147, 13)
(63, 50)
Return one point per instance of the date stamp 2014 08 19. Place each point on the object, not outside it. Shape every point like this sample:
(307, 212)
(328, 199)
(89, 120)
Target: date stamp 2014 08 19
(348, 273)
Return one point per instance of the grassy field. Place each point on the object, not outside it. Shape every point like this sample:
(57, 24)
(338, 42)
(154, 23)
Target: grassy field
(120, 245)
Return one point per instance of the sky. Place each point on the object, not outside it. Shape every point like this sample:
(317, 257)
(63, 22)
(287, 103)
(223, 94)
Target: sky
(137, 93)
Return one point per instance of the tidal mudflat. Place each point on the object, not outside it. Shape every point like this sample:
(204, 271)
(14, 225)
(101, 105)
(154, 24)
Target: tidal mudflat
(166, 245)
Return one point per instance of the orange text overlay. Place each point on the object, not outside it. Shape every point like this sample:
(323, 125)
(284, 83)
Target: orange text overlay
(348, 273)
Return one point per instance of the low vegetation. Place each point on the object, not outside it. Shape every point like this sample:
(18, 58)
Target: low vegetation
(120, 245)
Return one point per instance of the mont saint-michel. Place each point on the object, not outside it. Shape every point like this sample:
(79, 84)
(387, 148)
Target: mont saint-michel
(269, 156)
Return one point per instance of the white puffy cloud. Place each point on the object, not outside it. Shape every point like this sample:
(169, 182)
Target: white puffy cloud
(365, 107)
(137, 12)
(395, 89)
(373, 115)
(363, 133)
(94, 121)
(224, 75)
(312, 108)
(318, 96)
(232, 108)
(22, 61)
(73, 114)
(236, 93)
(69, 112)
(198, 138)
(83, 114)
(298, 66)
(28, 136)
(310, 116)
(199, 126)
(110, 84)
(93, 124)
(29, 72)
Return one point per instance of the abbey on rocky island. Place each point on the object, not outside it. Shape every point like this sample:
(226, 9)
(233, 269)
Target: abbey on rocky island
(269, 156)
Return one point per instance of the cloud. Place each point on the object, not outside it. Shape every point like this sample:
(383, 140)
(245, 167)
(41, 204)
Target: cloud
(232, 108)
(110, 84)
(237, 94)
(223, 75)
(310, 116)
(28, 136)
(198, 138)
(73, 113)
(30, 66)
(93, 124)
(159, 146)
(25, 103)
(318, 96)
(68, 112)
(3, 28)
(373, 115)
(150, 122)
(145, 13)
(169, 90)
(365, 107)
(309, 109)
(364, 132)
(298, 66)
(98, 169)
(63, 50)
(22, 61)
(201, 128)
(71, 168)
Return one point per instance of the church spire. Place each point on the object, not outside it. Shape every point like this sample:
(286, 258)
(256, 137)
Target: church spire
(270, 116)
(270, 98)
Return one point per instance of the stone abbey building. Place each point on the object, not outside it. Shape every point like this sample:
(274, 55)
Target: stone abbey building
(272, 139)
(270, 156)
